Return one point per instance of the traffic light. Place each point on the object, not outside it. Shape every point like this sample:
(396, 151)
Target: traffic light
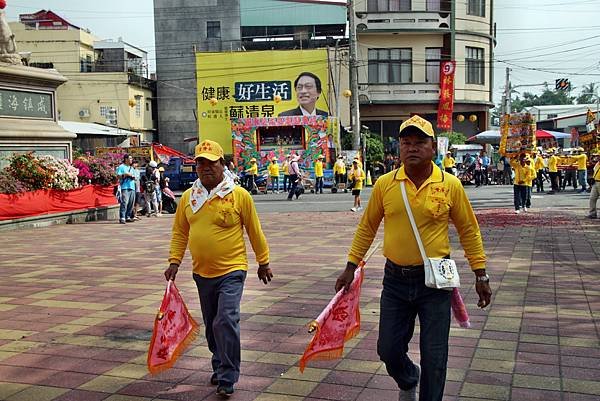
(562, 84)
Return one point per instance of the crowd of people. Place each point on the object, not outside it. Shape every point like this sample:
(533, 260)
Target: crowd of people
(141, 193)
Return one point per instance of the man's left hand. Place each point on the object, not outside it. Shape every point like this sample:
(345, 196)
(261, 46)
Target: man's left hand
(264, 273)
(485, 293)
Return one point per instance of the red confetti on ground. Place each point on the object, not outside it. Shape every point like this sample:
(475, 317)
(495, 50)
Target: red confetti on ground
(508, 217)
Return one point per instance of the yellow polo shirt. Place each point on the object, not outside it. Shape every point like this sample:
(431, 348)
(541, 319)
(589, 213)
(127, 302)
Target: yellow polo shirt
(318, 169)
(448, 162)
(339, 168)
(539, 163)
(440, 199)
(596, 175)
(553, 164)
(286, 167)
(215, 234)
(581, 161)
(523, 174)
(274, 170)
(253, 169)
(358, 175)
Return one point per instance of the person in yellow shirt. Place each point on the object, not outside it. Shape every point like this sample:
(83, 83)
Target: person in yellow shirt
(581, 159)
(449, 163)
(339, 171)
(357, 175)
(539, 170)
(274, 175)
(530, 164)
(319, 175)
(522, 178)
(436, 197)
(210, 220)
(251, 173)
(553, 171)
(595, 189)
(286, 172)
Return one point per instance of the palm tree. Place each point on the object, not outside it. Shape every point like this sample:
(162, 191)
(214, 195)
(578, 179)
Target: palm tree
(589, 93)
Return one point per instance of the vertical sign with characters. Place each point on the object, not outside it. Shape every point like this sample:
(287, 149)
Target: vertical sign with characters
(446, 104)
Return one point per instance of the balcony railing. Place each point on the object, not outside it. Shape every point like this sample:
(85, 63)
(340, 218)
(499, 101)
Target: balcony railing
(387, 92)
(394, 21)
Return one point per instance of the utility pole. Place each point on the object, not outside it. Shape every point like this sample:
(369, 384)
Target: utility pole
(507, 92)
(353, 67)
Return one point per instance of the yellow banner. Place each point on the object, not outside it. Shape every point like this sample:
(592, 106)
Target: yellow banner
(257, 84)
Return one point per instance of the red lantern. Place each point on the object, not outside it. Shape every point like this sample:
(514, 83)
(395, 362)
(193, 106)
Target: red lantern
(2, 4)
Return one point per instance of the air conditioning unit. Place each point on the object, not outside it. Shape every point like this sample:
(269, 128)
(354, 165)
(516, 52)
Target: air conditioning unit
(84, 113)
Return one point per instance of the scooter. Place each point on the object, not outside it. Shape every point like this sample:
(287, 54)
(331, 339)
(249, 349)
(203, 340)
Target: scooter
(168, 200)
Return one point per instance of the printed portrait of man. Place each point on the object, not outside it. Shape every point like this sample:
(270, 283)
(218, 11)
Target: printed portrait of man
(308, 89)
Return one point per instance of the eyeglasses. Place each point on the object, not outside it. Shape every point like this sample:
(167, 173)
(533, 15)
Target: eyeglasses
(308, 87)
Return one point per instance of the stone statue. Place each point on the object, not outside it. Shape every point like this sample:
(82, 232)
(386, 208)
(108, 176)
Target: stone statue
(8, 48)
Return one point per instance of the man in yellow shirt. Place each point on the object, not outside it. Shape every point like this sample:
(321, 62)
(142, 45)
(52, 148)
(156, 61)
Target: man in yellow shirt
(595, 189)
(339, 172)
(553, 171)
(357, 175)
(319, 175)
(530, 164)
(435, 198)
(581, 159)
(539, 170)
(210, 219)
(449, 163)
(522, 178)
(286, 172)
(274, 175)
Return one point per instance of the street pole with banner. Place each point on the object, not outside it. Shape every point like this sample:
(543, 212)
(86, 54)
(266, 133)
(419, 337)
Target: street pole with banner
(446, 105)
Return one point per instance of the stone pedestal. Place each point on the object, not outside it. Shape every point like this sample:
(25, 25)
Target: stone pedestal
(28, 117)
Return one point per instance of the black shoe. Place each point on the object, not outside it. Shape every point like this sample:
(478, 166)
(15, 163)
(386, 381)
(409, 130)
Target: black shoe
(214, 380)
(225, 390)
(592, 216)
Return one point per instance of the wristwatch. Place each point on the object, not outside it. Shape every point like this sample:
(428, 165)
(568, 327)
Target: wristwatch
(484, 278)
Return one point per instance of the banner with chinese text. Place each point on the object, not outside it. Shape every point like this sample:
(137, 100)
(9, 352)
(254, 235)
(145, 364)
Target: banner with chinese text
(253, 85)
(446, 105)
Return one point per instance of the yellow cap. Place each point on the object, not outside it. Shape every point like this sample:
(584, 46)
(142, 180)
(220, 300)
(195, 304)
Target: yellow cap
(419, 123)
(208, 149)
(274, 159)
(252, 160)
(321, 157)
(161, 169)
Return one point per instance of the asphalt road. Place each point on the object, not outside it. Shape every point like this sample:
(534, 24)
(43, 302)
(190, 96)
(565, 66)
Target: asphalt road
(492, 196)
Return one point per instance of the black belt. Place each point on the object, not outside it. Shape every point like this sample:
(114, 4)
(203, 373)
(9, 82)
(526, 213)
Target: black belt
(404, 271)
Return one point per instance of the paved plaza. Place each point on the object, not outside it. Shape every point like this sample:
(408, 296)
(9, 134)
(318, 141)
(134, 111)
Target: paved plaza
(78, 304)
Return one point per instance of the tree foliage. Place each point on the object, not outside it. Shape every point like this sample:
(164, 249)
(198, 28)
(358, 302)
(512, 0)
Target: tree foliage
(589, 94)
(454, 138)
(374, 148)
(548, 97)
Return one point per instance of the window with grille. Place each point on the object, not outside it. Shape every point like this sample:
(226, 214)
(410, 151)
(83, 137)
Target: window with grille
(475, 66)
(104, 111)
(138, 109)
(476, 7)
(390, 65)
(433, 56)
(388, 5)
(213, 29)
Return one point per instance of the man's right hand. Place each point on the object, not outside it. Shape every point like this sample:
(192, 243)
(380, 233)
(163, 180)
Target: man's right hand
(345, 278)
(171, 272)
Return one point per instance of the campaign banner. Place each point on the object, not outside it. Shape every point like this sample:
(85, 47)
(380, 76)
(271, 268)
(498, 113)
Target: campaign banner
(258, 85)
(446, 104)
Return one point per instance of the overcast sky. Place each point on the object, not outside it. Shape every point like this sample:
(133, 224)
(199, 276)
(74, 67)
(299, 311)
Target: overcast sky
(543, 40)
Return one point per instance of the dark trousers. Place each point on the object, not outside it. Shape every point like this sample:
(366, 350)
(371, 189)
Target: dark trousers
(539, 181)
(319, 185)
(449, 170)
(528, 199)
(220, 303)
(127, 202)
(340, 178)
(286, 182)
(275, 183)
(520, 196)
(293, 186)
(570, 178)
(554, 176)
(250, 182)
(404, 297)
(478, 177)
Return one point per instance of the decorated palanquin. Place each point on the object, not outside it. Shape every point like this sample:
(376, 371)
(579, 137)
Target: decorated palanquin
(275, 137)
(590, 141)
(517, 135)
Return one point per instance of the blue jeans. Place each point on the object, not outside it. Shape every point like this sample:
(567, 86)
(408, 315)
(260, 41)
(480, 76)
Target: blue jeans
(220, 303)
(404, 297)
(127, 200)
(319, 185)
(274, 183)
(582, 179)
(520, 196)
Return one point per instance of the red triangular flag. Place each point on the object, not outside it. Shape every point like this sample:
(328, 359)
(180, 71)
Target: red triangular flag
(339, 322)
(174, 330)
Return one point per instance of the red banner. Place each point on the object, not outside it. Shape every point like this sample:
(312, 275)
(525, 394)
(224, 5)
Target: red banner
(48, 201)
(446, 105)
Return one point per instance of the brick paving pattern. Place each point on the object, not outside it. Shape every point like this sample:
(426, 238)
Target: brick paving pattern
(78, 303)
